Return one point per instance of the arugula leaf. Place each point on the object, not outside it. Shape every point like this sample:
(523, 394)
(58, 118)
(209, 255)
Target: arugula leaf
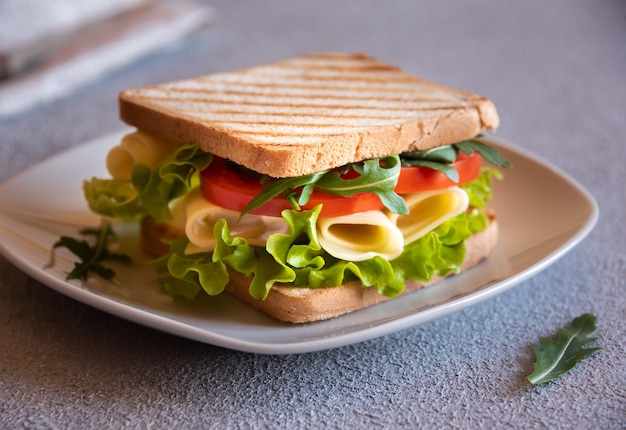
(444, 168)
(440, 158)
(559, 356)
(378, 176)
(282, 186)
(441, 154)
(91, 256)
(489, 153)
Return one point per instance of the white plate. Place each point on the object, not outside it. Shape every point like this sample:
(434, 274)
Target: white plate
(542, 214)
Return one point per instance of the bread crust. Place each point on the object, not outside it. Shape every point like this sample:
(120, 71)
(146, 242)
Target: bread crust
(310, 113)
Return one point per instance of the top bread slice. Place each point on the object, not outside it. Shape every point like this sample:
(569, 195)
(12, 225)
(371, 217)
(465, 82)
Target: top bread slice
(309, 113)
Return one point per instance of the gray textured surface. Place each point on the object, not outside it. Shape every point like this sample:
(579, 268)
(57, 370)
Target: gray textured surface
(557, 72)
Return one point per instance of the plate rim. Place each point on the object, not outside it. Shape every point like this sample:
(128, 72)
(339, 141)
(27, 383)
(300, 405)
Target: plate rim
(153, 320)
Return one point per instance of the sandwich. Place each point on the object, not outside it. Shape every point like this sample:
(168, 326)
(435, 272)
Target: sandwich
(310, 187)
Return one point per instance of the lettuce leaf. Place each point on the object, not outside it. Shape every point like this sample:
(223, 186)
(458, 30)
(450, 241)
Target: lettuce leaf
(439, 252)
(151, 190)
(113, 198)
(186, 275)
(251, 261)
(480, 189)
(298, 259)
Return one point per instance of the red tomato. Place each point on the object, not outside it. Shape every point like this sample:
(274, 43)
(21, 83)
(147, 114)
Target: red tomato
(234, 190)
(414, 179)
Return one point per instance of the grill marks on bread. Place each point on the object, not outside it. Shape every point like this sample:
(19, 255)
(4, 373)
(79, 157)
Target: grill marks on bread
(324, 99)
(323, 102)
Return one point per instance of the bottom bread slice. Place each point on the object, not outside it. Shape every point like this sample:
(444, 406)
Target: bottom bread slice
(301, 304)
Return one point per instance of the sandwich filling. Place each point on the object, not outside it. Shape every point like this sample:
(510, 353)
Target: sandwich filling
(382, 221)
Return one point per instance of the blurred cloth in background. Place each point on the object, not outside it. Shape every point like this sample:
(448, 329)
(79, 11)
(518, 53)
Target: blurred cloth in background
(50, 48)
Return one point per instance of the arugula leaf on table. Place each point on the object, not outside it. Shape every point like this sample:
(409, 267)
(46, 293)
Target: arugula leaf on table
(91, 256)
(559, 356)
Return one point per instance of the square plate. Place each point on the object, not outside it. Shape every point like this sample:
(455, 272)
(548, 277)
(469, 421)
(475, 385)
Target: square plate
(542, 213)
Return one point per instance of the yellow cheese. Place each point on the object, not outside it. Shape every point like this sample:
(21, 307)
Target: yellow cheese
(428, 210)
(201, 216)
(138, 147)
(355, 237)
(360, 236)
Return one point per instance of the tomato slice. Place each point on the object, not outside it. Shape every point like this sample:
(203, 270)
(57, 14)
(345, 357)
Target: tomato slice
(234, 190)
(418, 178)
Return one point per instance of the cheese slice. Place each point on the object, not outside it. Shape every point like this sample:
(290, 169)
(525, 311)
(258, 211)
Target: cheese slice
(428, 210)
(138, 147)
(201, 216)
(355, 237)
(360, 236)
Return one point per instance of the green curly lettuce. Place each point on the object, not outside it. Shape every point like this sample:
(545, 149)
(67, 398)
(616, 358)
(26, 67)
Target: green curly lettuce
(297, 258)
(150, 191)
(187, 275)
(480, 189)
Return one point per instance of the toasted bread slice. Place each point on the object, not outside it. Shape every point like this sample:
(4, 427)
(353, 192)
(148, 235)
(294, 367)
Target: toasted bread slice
(310, 113)
(301, 304)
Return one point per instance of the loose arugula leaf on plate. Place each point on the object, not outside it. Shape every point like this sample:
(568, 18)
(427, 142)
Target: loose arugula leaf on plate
(559, 356)
(91, 256)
